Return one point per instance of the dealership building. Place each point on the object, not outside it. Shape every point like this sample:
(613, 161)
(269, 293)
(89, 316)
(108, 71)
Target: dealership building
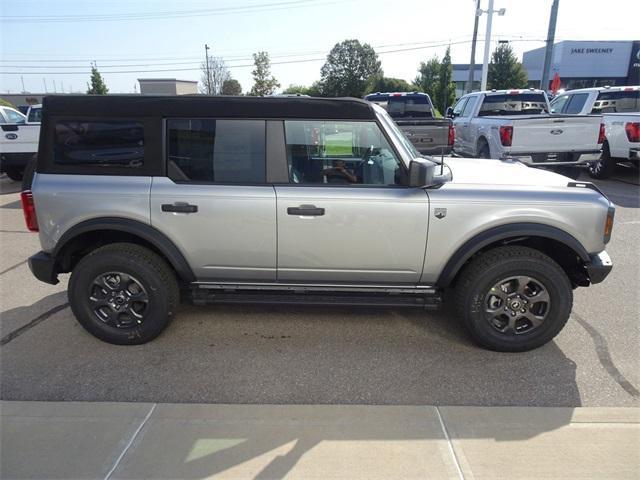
(579, 64)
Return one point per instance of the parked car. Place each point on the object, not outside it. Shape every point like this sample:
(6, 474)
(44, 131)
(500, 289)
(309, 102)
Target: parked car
(621, 144)
(598, 100)
(18, 143)
(413, 112)
(516, 124)
(300, 200)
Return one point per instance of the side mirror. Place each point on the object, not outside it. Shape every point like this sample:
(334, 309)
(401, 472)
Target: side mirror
(421, 173)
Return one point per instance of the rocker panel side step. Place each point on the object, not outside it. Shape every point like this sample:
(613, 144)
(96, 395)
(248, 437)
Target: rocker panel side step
(429, 301)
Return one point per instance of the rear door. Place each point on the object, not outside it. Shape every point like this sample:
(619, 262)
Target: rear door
(214, 203)
(345, 217)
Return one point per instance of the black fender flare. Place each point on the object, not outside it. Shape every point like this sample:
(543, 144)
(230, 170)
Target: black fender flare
(504, 232)
(134, 227)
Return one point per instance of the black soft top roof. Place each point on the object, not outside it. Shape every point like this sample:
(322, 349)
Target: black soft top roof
(206, 106)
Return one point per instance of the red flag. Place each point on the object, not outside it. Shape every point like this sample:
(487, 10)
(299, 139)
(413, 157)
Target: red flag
(555, 83)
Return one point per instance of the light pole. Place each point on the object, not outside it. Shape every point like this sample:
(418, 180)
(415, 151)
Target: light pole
(206, 56)
(472, 63)
(487, 40)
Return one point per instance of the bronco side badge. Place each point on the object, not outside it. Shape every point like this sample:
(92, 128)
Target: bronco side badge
(440, 212)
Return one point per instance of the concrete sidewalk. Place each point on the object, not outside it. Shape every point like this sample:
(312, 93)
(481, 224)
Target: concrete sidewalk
(141, 440)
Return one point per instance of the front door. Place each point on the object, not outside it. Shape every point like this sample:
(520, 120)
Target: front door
(346, 216)
(214, 203)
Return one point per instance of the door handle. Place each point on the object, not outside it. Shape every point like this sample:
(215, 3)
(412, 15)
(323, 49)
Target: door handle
(179, 208)
(306, 210)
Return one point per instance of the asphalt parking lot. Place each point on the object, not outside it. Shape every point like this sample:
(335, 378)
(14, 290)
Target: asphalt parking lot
(304, 355)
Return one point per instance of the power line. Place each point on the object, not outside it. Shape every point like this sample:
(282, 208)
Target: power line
(284, 62)
(166, 14)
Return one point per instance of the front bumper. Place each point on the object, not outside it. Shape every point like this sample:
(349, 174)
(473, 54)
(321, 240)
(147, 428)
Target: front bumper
(43, 267)
(599, 267)
(551, 159)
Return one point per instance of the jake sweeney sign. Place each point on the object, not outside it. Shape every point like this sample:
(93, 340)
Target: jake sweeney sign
(591, 51)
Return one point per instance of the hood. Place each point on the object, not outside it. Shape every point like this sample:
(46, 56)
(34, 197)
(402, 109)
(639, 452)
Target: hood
(502, 172)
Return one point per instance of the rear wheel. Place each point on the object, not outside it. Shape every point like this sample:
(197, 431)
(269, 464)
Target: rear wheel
(513, 299)
(14, 173)
(123, 293)
(483, 150)
(604, 167)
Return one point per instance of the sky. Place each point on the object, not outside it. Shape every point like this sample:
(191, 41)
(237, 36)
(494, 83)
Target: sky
(51, 43)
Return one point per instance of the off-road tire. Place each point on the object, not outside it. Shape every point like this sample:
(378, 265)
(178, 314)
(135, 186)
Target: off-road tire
(490, 267)
(151, 271)
(604, 167)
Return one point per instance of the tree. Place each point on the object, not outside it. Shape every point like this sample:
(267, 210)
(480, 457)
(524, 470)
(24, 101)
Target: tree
(348, 68)
(213, 78)
(380, 83)
(231, 87)
(97, 86)
(446, 88)
(263, 82)
(315, 90)
(427, 79)
(504, 70)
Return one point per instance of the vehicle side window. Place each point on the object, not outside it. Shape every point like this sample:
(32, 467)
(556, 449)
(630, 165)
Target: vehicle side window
(35, 115)
(340, 153)
(100, 143)
(14, 117)
(457, 110)
(576, 102)
(559, 103)
(210, 151)
(468, 108)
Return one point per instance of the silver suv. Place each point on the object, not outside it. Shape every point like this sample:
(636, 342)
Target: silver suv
(300, 200)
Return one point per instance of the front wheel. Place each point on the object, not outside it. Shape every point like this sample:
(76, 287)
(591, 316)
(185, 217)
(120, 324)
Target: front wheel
(513, 299)
(123, 294)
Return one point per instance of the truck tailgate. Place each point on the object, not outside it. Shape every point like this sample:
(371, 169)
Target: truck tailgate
(555, 133)
(426, 134)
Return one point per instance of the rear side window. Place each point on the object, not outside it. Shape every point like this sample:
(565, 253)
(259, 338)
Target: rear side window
(204, 150)
(513, 104)
(35, 115)
(118, 143)
(618, 101)
(576, 103)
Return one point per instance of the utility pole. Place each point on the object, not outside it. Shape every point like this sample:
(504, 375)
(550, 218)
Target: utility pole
(206, 56)
(548, 53)
(44, 82)
(472, 62)
(487, 41)
(22, 80)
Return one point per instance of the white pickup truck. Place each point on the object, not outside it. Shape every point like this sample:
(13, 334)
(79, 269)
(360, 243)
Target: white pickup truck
(517, 124)
(19, 139)
(622, 143)
(620, 107)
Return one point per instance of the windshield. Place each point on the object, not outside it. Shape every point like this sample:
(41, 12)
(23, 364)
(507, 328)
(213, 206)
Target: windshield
(404, 106)
(514, 104)
(616, 102)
